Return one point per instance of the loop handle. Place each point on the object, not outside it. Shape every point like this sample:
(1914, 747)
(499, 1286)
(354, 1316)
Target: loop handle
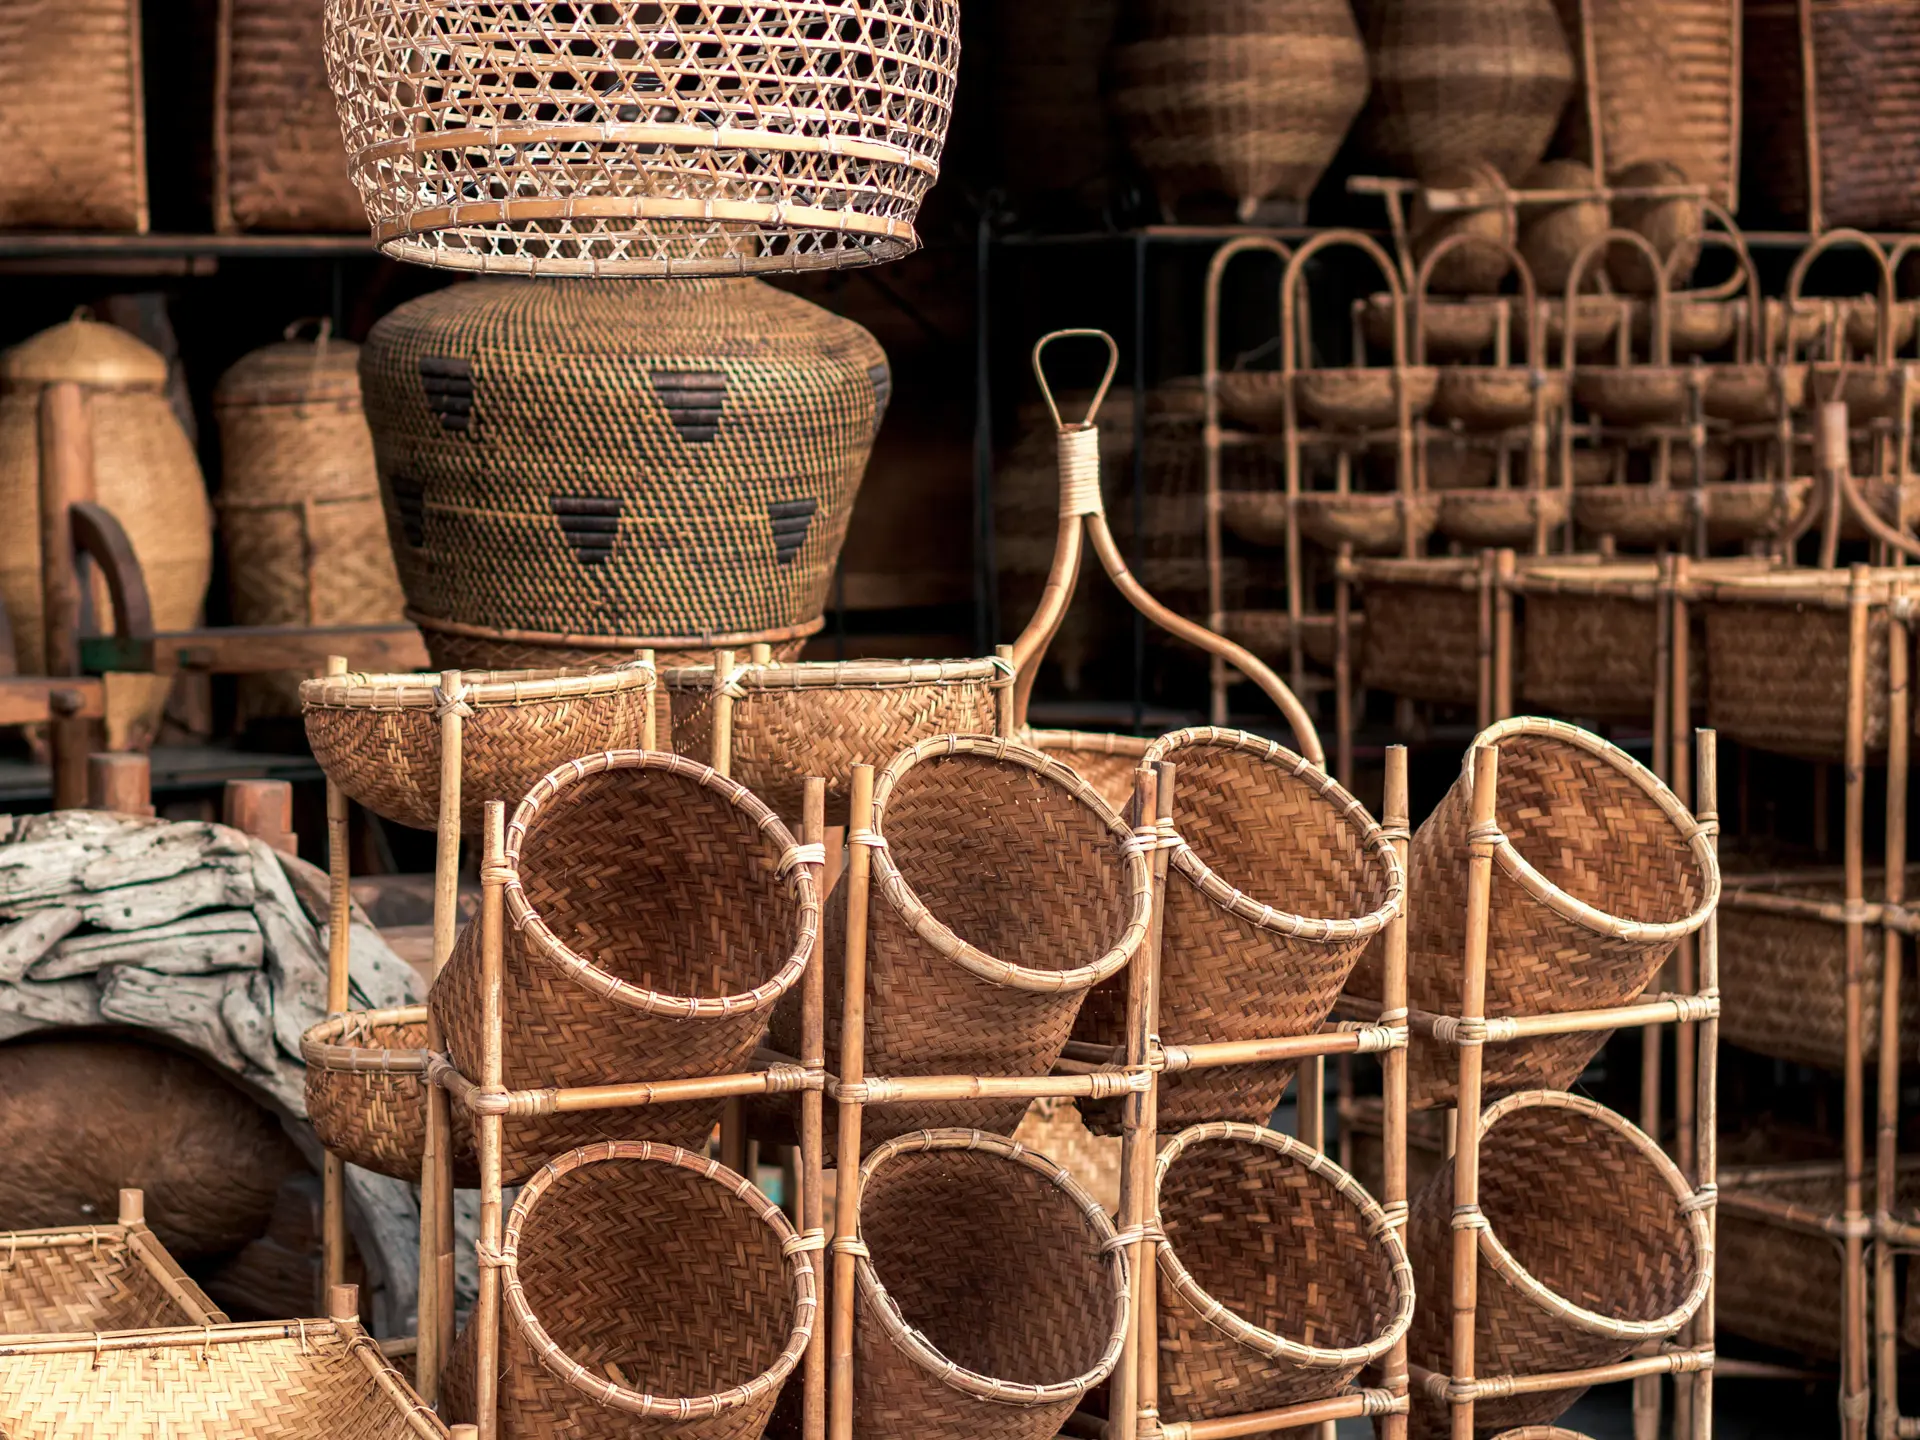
(1099, 395)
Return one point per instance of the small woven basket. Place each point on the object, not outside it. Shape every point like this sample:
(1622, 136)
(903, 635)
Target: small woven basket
(648, 1291)
(1106, 762)
(1004, 1344)
(367, 1093)
(1593, 1246)
(92, 1278)
(658, 913)
(1280, 1278)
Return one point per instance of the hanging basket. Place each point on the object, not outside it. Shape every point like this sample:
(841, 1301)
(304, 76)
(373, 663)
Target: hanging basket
(367, 1093)
(92, 1278)
(992, 1297)
(657, 913)
(1280, 1278)
(648, 1292)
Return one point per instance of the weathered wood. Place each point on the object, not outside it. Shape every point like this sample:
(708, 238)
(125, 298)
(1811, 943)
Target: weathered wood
(226, 883)
(66, 1004)
(247, 1013)
(197, 945)
(186, 1007)
(97, 851)
(25, 941)
(296, 960)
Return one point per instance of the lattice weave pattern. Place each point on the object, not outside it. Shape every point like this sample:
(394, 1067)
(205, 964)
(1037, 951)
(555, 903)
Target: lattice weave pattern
(85, 1286)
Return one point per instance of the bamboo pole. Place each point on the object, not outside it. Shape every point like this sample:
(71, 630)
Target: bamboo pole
(1707, 1075)
(1396, 819)
(853, 1069)
(1854, 1396)
(333, 1175)
(1504, 564)
(1343, 666)
(813, 1057)
(1667, 1362)
(66, 478)
(1684, 1076)
(1887, 1137)
(1485, 690)
(733, 1119)
(486, 1312)
(1003, 721)
(1292, 1418)
(1138, 1351)
(650, 719)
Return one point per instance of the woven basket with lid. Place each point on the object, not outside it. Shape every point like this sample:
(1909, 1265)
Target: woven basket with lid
(72, 108)
(90, 1278)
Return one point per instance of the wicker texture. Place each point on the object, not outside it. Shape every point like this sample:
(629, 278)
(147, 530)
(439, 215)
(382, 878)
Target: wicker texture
(656, 920)
(1595, 656)
(367, 1093)
(648, 1292)
(1003, 1345)
(1106, 762)
(1280, 1278)
(1422, 640)
(1591, 1250)
(93, 1278)
(72, 116)
(1777, 677)
(1054, 1128)
(631, 140)
(277, 158)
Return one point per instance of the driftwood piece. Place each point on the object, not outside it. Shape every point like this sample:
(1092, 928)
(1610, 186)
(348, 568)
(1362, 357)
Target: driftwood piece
(247, 1013)
(185, 1007)
(24, 941)
(197, 945)
(64, 1005)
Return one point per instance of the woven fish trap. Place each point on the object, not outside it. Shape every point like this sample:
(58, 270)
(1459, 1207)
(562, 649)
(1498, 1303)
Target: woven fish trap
(61, 60)
(1599, 871)
(88, 1278)
(658, 911)
(624, 139)
(793, 721)
(1106, 762)
(1592, 1246)
(1280, 1278)
(1004, 1345)
(649, 1291)
(1422, 638)
(367, 1093)
(378, 736)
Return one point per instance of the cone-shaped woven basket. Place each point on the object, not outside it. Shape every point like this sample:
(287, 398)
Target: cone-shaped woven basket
(1593, 1246)
(648, 1291)
(657, 913)
(378, 736)
(992, 1297)
(367, 1093)
(1280, 1278)
(1106, 762)
(89, 1278)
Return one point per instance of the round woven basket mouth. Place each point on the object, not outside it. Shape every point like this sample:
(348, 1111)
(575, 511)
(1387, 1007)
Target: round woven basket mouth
(897, 782)
(1332, 1181)
(1534, 825)
(563, 1245)
(1004, 1227)
(480, 689)
(350, 1043)
(731, 806)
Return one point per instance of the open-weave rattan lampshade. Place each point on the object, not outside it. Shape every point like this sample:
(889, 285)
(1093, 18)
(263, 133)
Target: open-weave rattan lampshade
(631, 138)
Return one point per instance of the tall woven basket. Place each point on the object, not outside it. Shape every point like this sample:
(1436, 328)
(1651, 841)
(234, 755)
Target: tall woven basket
(1005, 1343)
(1594, 1245)
(649, 1291)
(1280, 1278)
(798, 135)
(658, 913)
(73, 111)
(90, 1278)
(367, 1093)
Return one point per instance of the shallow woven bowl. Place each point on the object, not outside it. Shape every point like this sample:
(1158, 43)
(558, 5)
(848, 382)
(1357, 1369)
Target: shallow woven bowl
(1596, 323)
(1694, 327)
(367, 1093)
(1372, 524)
(1756, 509)
(1257, 516)
(1632, 395)
(1500, 517)
(1871, 393)
(1493, 397)
(1637, 514)
(1361, 398)
(1754, 394)
(1256, 399)
(1455, 329)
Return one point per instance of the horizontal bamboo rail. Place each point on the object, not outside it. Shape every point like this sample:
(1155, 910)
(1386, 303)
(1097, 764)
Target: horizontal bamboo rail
(1100, 1085)
(1662, 1010)
(1171, 1059)
(1362, 1404)
(1443, 1391)
(479, 1100)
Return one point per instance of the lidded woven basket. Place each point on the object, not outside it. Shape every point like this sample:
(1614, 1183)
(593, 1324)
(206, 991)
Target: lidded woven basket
(634, 139)
(991, 1298)
(1593, 1246)
(367, 1093)
(657, 913)
(620, 464)
(91, 1278)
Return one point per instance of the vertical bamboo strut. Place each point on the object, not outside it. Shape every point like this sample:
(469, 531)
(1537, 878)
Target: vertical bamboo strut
(1854, 1398)
(1003, 719)
(486, 1310)
(1485, 690)
(853, 1071)
(733, 1115)
(1686, 1036)
(1343, 666)
(66, 478)
(333, 1175)
(1707, 1078)
(813, 1057)
(1136, 1382)
(1504, 565)
(1396, 819)
(1887, 1136)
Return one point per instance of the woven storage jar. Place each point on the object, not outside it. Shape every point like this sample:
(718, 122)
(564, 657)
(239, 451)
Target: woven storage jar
(991, 1296)
(628, 139)
(605, 466)
(367, 1093)
(378, 736)
(1422, 638)
(1280, 1278)
(92, 1278)
(1598, 872)
(657, 915)
(1106, 762)
(1593, 1246)
(74, 116)
(649, 1291)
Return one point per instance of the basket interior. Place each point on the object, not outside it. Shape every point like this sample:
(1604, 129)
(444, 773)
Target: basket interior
(992, 1262)
(82, 1287)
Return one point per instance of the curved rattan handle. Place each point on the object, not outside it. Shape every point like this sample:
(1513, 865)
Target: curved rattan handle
(1106, 382)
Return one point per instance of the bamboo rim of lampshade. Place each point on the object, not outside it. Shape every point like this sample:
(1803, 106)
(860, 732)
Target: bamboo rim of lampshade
(1380, 1228)
(841, 675)
(481, 689)
(331, 1043)
(1607, 1327)
(804, 1284)
(941, 937)
(887, 1314)
(1518, 868)
(591, 977)
(1371, 836)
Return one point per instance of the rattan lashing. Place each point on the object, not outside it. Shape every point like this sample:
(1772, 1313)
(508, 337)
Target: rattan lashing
(367, 1091)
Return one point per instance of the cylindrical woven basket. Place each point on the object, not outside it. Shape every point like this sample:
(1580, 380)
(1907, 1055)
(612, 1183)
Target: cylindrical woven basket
(1593, 1246)
(1422, 638)
(1598, 872)
(92, 1278)
(801, 135)
(378, 736)
(657, 914)
(648, 1291)
(1280, 1278)
(1106, 762)
(992, 1296)
(367, 1093)
(73, 107)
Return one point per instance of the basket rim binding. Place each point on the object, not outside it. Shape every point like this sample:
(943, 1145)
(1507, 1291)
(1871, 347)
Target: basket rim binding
(796, 876)
(328, 1044)
(1501, 1259)
(919, 1349)
(841, 674)
(803, 1283)
(1519, 869)
(1086, 742)
(1372, 838)
(484, 689)
(574, 640)
(969, 957)
(1380, 1227)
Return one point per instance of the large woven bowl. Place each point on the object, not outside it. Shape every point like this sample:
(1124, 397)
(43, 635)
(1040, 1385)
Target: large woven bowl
(1593, 1247)
(991, 1298)
(1480, 518)
(1372, 524)
(1361, 398)
(1280, 1278)
(656, 913)
(378, 736)
(367, 1093)
(93, 1278)
(648, 1291)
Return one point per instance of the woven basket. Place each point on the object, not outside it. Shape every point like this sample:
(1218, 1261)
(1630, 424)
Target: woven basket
(1105, 762)
(1053, 1128)
(1597, 656)
(87, 1279)
(1003, 1344)
(714, 141)
(1593, 1247)
(1482, 518)
(1280, 1278)
(367, 1093)
(1372, 524)
(73, 112)
(1466, 269)
(378, 736)
(657, 916)
(648, 1291)
(793, 721)
(1649, 516)
(1456, 329)
(1553, 235)
(1423, 631)
(618, 465)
